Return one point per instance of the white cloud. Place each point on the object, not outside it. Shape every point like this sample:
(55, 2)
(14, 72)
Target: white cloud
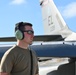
(69, 10)
(17, 2)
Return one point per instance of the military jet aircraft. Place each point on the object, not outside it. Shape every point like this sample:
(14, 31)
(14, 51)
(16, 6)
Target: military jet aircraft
(58, 41)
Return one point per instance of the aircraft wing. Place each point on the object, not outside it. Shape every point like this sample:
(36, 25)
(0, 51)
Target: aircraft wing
(55, 50)
(36, 38)
(48, 51)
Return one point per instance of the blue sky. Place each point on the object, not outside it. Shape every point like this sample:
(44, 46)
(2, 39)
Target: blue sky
(13, 11)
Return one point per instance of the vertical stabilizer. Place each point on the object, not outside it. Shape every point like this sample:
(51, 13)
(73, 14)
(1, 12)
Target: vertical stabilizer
(52, 19)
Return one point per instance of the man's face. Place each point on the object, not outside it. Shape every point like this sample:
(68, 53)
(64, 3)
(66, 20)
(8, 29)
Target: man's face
(28, 35)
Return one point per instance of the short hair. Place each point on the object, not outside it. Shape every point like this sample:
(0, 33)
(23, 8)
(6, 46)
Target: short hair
(20, 25)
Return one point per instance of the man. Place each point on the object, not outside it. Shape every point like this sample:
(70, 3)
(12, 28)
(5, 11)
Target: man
(20, 60)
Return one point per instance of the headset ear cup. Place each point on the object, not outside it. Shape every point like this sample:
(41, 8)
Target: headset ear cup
(19, 35)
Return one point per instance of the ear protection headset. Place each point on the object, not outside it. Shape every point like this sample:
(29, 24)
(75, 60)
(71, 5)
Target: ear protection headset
(18, 33)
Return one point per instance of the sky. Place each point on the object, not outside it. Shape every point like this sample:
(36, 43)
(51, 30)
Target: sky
(13, 11)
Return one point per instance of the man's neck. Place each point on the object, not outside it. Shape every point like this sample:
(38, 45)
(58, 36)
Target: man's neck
(22, 45)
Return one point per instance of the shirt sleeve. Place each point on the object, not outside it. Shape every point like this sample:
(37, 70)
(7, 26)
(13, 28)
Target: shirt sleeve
(36, 58)
(6, 63)
(37, 69)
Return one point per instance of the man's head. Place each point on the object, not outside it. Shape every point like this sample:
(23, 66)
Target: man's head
(24, 31)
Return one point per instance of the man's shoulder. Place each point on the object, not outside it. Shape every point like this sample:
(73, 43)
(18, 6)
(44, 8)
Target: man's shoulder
(11, 49)
(33, 52)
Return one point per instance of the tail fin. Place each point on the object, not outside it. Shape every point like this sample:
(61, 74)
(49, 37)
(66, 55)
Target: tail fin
(52, 19)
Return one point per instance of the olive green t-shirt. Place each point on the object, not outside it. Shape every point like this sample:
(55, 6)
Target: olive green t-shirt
(16, 61)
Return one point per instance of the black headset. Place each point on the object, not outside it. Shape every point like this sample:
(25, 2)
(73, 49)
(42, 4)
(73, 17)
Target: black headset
(18, 33)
